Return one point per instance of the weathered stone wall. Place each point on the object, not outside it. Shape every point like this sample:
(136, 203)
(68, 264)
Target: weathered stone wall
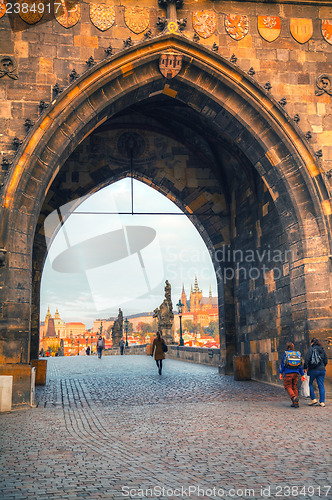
(262, 281)
(47, 52)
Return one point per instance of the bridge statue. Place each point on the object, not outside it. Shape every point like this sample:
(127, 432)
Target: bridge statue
(117, 329)
(164, 315)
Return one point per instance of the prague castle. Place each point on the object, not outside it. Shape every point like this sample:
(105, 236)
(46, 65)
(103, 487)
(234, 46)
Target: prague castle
(199, 309)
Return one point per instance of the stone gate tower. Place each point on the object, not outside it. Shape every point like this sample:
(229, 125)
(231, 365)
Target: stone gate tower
(229, 105)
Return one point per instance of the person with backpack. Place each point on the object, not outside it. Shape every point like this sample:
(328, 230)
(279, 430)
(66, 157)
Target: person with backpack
(315, 362)
(122, 346)
(159, 348)
(100, 346)
(290, 369)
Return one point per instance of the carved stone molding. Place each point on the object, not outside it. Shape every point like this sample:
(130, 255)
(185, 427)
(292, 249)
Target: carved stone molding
(164, 3)
(2, 257)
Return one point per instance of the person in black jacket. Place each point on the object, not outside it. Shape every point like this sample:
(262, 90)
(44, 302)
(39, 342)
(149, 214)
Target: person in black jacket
(315, 362)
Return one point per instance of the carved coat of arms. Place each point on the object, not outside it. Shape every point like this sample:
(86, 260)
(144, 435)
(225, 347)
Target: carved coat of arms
(170, 64)
(2, 8)
(327, 30)
(269, 27)
(204, 23)
(68, 13)
(30, 13)
(301, 29)
(137, 19)
(102, 16)
(237, 26)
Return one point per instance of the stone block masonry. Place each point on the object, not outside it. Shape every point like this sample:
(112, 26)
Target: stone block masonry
(238, 138)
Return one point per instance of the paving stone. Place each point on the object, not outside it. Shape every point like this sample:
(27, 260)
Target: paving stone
(136, 430)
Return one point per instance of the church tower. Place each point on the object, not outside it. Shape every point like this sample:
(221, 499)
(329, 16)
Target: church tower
(210, 297)
(50, 332)
(195, 297)
(184, 300)
(47, 318)
(59, 325)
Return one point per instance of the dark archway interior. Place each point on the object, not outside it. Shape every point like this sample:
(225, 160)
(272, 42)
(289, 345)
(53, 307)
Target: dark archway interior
(186, 156)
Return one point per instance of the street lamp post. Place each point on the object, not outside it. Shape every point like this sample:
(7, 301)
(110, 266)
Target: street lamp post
(179, 305)
(126, 329)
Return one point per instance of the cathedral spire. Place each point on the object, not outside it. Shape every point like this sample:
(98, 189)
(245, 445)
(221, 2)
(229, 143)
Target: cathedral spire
(184, 300)
(196, 289)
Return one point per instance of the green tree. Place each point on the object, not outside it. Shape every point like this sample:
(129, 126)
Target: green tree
(191, 327)
(154, 326)
(109, 332)
(146, 328)
(130, 328)
(53, 346)
(213, 329)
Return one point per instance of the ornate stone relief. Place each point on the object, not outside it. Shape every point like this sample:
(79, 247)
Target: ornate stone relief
(8, 67)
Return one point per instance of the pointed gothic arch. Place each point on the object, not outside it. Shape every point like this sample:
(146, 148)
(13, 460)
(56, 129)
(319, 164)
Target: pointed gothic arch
(246, 118)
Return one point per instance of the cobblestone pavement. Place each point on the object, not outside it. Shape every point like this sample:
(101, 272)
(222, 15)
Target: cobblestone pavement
(114, 429)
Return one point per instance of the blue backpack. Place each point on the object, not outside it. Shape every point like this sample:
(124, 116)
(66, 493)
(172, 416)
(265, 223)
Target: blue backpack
(293, 359)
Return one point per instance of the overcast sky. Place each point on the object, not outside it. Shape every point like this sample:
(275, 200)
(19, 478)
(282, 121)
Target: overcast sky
(121, 260)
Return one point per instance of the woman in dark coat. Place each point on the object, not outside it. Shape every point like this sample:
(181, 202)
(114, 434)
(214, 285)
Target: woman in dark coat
(315, 362)
(157, 350)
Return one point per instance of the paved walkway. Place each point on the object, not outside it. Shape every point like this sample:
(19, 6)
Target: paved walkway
(114, 429)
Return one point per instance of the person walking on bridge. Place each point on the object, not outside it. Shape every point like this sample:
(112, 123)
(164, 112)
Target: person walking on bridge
(100, 346)
(315, 362)
(158, 351)
(122, 346)
(290, 369)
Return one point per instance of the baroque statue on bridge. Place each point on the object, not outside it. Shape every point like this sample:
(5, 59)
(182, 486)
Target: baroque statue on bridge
(117, 329)
(164, 314)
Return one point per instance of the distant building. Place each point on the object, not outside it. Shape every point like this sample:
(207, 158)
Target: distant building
(134, 319)
(65, 339)
(54, 326)
(145, 317)
(59, 325)
(105, 323)
(75, 329)
(199, 309)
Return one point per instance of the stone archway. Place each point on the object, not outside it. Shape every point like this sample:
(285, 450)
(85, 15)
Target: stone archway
(244, 120)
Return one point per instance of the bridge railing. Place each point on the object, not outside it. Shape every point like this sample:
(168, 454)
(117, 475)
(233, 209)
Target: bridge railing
(201, 355)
